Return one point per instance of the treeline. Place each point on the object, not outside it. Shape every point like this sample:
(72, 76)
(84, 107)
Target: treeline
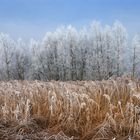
(94, 52)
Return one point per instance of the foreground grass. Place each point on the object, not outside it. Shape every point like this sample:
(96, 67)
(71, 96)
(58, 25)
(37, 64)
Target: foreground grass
(83, 110)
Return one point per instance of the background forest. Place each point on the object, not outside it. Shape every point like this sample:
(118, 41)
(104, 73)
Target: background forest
(91, 53)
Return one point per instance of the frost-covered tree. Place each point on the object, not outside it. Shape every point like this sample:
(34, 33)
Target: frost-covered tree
(109, 52)
(83, 45)
(73, 51)
(36, 70)
(135, 54)
(22, 60)
(7, 49)
(50, 56)
(120, 39)
(98, 45)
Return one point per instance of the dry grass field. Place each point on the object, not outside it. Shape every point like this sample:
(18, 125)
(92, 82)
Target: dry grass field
(73, 110)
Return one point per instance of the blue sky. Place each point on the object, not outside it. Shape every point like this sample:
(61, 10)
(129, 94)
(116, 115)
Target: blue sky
(32, 18)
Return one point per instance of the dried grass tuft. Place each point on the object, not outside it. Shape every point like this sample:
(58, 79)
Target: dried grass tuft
(83, 110)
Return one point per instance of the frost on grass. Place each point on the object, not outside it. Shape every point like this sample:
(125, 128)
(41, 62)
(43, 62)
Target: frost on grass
(83, 110)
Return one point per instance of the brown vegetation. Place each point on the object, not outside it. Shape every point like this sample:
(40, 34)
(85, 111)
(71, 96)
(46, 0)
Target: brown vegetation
(73, 110)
